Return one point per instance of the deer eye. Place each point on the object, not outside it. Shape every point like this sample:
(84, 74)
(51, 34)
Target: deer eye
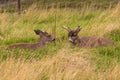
(70, 34)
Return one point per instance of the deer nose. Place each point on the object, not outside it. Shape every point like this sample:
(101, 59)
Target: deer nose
(53, 39)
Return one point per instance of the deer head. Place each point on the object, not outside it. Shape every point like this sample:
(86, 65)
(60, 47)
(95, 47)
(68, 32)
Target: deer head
(44, 36)
(72, 34)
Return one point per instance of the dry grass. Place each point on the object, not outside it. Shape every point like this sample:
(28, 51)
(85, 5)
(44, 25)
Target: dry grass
(104, 22)
(63, 65)
(66, 63)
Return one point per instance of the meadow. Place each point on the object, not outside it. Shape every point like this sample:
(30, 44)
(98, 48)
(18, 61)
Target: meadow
(60, 60)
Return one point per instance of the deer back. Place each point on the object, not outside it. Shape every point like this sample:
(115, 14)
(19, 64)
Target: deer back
(94, 42)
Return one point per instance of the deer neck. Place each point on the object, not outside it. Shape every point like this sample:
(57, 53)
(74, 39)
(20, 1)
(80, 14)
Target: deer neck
(75, 40)
(42, 43)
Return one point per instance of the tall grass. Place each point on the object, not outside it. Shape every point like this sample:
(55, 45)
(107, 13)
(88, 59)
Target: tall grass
(61, 61)
(62, 66)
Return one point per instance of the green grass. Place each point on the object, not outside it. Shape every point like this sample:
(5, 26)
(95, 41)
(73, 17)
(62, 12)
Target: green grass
(61, 59)
(114, 35)
(107, 56)
(20, 28)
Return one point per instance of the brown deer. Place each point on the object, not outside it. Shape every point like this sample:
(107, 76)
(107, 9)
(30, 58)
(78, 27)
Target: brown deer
(44, 38)
(86, 42)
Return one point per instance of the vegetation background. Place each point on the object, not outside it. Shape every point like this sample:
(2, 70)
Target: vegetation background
(59, 60)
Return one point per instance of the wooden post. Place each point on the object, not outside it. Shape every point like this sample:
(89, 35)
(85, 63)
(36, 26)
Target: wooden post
(19, 7)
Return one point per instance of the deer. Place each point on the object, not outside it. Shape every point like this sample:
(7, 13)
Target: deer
(86, 42)
(44, 38)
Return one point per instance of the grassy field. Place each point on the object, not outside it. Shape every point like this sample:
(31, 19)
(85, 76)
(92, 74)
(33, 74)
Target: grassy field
(60, 60)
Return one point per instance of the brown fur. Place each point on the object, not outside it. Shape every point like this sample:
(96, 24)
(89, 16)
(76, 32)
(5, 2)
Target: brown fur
(45, 37)
(87, 42)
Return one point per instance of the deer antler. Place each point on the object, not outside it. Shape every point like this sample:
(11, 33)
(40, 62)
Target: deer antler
(78, 28)
(66, 28)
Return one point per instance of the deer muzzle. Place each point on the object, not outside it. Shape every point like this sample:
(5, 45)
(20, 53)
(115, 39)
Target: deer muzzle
(70, 39)
(53, 39)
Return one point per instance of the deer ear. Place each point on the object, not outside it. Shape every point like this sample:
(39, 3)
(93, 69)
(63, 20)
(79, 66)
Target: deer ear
(66, 28)
(38, 32)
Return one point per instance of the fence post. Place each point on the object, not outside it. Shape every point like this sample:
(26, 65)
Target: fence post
(19, 7)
